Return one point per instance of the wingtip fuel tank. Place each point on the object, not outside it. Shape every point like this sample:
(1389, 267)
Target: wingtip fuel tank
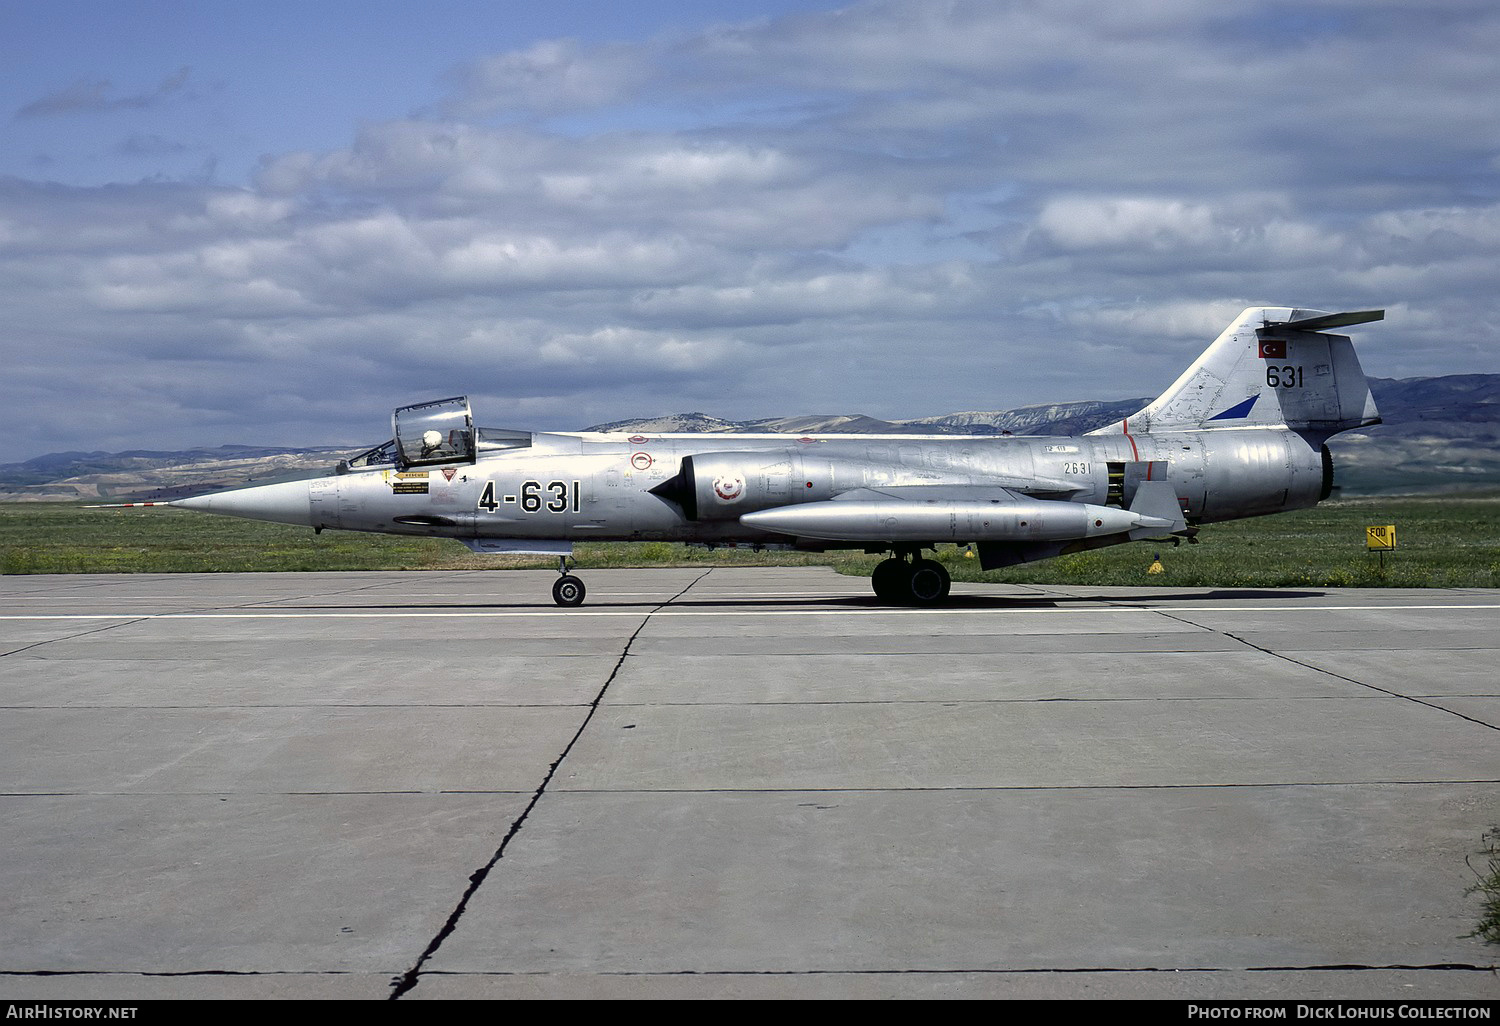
(897, 520)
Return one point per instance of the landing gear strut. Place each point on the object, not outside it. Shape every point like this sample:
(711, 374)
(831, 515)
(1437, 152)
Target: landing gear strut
(917, 581)
(567, 590)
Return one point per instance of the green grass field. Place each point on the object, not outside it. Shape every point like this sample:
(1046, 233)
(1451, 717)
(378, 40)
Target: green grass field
(1444, 542)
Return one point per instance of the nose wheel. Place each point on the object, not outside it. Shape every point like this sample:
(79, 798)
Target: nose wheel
(567, 590)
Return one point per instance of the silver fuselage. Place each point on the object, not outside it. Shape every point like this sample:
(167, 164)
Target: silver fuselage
(599, 486)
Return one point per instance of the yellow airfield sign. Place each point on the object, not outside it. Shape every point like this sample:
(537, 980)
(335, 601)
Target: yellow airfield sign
(1380, 538)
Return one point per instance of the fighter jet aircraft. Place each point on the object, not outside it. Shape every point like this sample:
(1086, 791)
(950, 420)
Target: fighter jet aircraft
(1239, 434)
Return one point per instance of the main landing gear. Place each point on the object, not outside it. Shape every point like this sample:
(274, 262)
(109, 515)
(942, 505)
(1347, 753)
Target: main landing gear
(911, 580)
(567, 590)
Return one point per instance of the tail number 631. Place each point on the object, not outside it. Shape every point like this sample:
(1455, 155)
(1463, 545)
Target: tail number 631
(1283, 377)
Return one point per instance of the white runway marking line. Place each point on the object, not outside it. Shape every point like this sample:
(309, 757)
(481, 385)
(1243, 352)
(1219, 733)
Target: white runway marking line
(277, 614)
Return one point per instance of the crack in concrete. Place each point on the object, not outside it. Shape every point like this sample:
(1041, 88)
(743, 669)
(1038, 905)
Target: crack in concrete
(1337, 967)
(75, 637)
(409, 979)
(1013, 970)
(127, 620)
(1326, 672)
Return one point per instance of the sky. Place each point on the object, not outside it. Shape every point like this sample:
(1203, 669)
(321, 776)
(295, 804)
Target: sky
(270, 223)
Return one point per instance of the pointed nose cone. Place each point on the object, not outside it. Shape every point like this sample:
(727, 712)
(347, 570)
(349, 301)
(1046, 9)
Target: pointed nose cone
(284, 503)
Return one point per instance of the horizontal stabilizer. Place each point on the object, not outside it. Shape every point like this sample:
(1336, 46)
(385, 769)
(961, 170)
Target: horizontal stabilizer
(1334, 320)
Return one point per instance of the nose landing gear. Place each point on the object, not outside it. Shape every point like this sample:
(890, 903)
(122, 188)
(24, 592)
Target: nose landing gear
(567, 590)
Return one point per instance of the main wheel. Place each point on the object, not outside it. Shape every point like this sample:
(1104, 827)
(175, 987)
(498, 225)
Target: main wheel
(568, 590)
(929, 581)
(889, 579)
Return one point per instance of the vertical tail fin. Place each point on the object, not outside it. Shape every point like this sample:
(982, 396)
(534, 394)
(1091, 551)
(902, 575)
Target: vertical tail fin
(1272, 367)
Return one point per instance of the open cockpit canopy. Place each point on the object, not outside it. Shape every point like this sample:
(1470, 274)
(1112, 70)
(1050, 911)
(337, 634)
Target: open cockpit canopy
(441, 431)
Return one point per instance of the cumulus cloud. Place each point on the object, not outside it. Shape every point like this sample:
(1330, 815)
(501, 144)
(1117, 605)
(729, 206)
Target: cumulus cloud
(897, 208)
(1244, 234)
(549, 77)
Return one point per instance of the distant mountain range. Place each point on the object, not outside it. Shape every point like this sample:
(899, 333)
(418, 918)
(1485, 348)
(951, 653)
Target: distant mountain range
(1054, 419)
(140, 474)
(1439, 433)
